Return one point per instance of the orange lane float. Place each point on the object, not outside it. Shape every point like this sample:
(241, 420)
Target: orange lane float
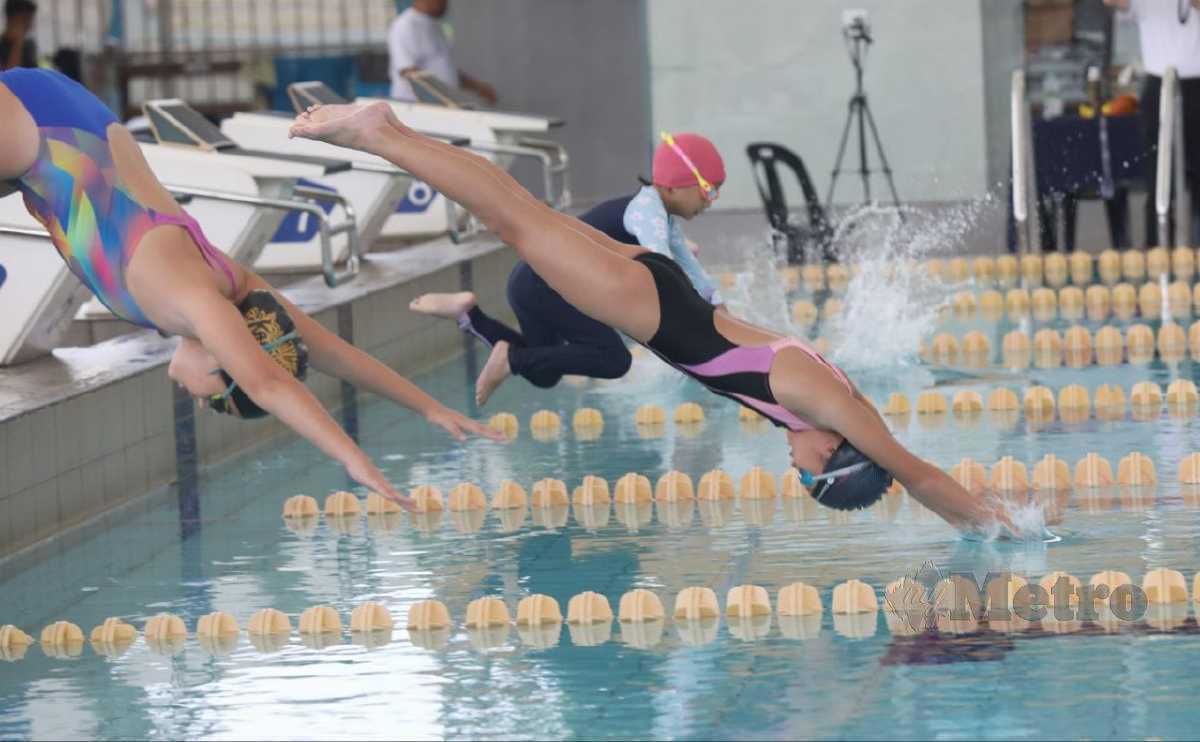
(1082, 267)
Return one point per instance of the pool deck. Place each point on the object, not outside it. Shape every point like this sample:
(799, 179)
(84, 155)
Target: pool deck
(86, 429)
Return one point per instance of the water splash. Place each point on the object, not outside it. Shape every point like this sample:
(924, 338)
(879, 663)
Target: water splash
(1028, 522)
(891, 303)
(759, 291)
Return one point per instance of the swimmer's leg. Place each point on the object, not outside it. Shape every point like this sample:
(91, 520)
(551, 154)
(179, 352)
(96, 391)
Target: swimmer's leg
(502, 339)
(590, 270)
(559, 339)
(544, 366)
(463, 308)
(489, 329)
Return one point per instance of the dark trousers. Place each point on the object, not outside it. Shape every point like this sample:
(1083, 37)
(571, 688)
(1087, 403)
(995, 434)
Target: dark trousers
(1190, 95)
(555, 338)
(1065, 206)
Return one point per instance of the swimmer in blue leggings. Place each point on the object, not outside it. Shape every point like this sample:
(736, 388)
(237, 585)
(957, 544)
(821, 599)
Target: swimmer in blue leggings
(556, 338)
(844, 450)
(244, 347)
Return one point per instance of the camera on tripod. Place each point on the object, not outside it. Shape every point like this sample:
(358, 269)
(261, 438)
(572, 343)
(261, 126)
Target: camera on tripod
(856, 31)
(855, 25)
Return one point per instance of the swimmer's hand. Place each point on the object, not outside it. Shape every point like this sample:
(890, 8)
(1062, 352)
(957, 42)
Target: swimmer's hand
(994, 521)
(368, 475)
(459, 425)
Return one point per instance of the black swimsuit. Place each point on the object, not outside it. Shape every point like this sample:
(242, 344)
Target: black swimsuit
(687, 338)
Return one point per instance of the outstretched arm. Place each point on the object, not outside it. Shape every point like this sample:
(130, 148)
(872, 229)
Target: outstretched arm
(336, 357)
(218, 325)
(827, 403)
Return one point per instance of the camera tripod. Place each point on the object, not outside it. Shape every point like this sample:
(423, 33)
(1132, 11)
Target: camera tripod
(857, 40)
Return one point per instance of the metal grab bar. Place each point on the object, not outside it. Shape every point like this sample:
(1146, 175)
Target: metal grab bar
(1022, 160)
(553, 158)
(23, 231)
(457, 233)
(561, 166)
(1166, 146)
(332, 277)
(348, 227)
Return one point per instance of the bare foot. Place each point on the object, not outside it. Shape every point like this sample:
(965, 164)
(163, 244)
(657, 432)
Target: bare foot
(450, 306)
(494, 372)
(344, 124)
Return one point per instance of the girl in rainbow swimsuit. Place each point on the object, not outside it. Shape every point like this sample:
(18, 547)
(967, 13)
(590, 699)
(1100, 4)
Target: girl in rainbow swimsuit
(244, 348)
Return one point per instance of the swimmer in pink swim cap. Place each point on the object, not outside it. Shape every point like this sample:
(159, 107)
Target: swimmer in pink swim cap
(555, 338)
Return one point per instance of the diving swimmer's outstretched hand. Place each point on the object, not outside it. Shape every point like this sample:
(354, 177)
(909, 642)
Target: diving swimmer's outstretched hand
(364, 471)
(995, 519)
(459, 425)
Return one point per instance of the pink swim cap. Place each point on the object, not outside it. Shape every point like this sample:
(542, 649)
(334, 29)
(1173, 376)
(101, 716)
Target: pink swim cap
(671, 171)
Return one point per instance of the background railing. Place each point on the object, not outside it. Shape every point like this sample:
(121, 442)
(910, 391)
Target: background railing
(1021, 142)
(221, 55)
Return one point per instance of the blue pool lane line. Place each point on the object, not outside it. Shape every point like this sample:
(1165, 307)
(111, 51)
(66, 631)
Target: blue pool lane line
(345, 329)
(187, 474)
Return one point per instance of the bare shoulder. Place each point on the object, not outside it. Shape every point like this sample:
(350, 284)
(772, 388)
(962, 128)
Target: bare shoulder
(19, 145)
(171, 281)
(805, 385)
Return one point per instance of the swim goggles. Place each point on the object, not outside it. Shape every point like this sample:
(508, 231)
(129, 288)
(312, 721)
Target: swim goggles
(708, 190)
(826, 480)
(222, 402)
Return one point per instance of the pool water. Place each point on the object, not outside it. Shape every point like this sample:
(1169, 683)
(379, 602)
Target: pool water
(847, 676)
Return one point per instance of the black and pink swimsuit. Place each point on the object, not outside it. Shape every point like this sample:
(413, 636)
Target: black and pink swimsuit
(687, 339)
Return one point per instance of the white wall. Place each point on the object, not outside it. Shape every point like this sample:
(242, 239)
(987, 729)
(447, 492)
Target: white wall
(582, 60)
(1004, 51)
(777, 70)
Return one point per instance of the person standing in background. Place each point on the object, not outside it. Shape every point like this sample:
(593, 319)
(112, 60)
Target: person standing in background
(1169, 31)
(17, 47)
(416, 41)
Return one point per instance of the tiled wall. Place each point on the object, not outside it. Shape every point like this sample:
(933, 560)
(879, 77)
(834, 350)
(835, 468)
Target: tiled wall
(68, 461)
(75, 459)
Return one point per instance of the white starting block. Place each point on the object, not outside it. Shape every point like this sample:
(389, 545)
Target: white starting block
(39, 295)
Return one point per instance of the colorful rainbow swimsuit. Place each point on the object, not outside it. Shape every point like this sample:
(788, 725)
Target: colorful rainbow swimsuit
(74, 190)
(688, 340)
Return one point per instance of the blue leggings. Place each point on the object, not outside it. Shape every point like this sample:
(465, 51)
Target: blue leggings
(555, 338)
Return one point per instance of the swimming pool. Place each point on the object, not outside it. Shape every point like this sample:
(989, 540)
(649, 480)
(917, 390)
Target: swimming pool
(222, 545)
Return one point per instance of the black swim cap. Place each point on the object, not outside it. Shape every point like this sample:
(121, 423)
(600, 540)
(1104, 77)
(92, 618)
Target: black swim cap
(853, 490)
(269, 323)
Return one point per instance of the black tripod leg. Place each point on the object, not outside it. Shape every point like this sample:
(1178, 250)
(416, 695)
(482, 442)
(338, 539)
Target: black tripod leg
(837, 162)
(887, 169)
(864, 164)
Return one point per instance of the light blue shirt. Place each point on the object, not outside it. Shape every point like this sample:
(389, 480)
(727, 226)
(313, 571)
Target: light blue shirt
(647, 219)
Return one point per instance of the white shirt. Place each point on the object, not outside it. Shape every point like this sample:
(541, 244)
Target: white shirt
(417, 40)
(1165, 41)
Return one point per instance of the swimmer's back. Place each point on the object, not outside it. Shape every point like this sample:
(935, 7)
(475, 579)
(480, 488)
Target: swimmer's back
(609, 218)
(55, 100)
